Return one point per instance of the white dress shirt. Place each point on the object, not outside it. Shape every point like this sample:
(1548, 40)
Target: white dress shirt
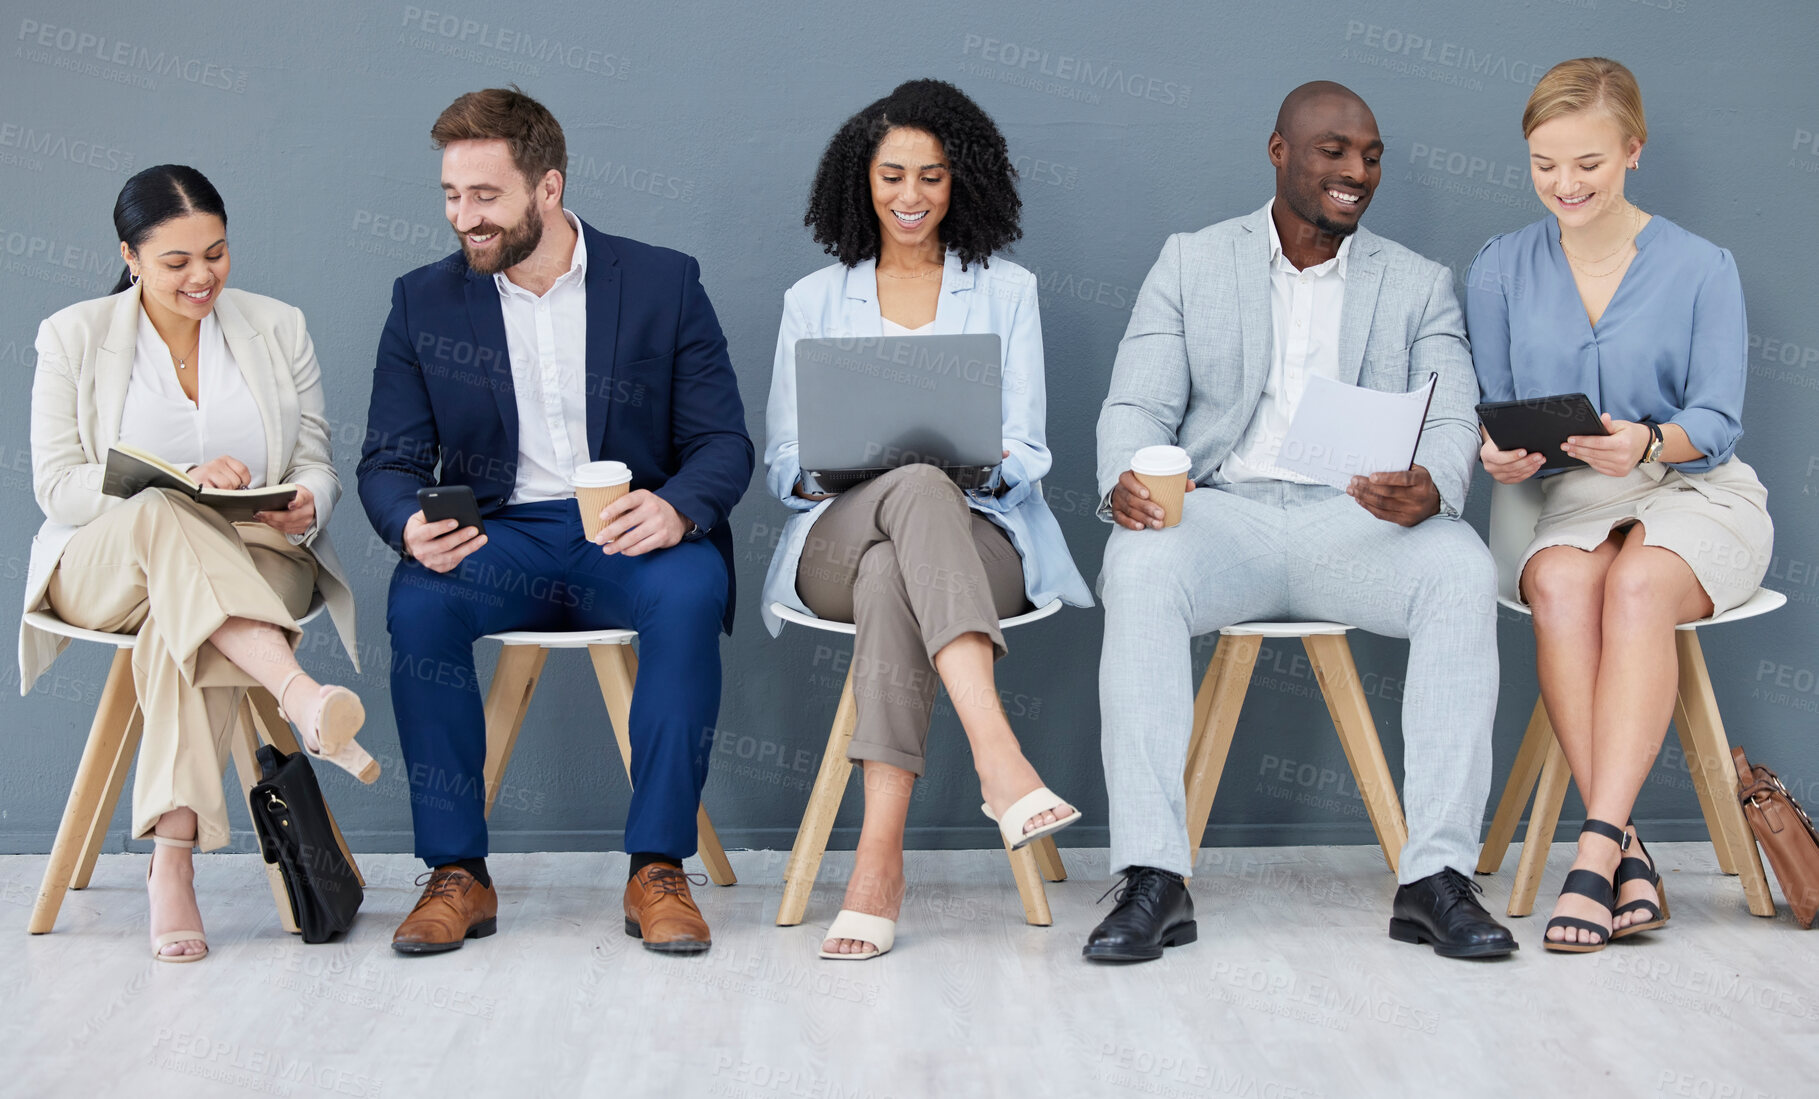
(1304, 330)
(159, 417)
(546, 339)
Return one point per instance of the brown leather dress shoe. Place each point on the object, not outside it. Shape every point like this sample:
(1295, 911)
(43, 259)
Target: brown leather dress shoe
(454, 907)
(659, 910)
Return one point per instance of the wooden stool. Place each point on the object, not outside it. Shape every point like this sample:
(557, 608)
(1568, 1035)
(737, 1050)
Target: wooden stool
(1029, 864)
(1221, 696)
(113, 738)
(1541, 765)
(616, 669)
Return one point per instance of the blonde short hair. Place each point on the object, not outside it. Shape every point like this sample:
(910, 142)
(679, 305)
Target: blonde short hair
(1584, 83)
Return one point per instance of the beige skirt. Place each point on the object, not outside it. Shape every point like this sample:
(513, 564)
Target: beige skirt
(1717, 521)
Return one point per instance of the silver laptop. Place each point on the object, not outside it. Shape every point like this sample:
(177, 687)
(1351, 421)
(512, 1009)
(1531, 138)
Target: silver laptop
(865, 405)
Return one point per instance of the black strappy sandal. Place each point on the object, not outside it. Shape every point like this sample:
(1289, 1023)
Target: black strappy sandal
(1634, 869)
(1593, 886)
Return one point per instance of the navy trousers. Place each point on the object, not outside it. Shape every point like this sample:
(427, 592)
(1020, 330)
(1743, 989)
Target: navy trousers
(537, 571)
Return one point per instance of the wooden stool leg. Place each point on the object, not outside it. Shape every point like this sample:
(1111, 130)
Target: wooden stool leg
(1523, 776)
(1708, 797)
(1550, 794)
(1048, 857)
(270, 724)
(1696, 710)
(616, 669)
(110, 799)
(113, 715)
(244, 743)
(1344, 694)
(1024, 868)
(818, 817)
(507, 699)
(1216, 708)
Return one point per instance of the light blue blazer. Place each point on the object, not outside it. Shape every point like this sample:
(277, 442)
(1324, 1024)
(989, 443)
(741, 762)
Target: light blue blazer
(840, 302)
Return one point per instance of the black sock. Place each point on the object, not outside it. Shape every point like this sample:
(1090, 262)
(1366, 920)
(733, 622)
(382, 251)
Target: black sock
(1155, 869)
(476, 867)
(642, 859)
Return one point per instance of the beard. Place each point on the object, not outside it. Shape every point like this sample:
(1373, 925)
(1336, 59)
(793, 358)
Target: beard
(515, 245)
(1309, 207)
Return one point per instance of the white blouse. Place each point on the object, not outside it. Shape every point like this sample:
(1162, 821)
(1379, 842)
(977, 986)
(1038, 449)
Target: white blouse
(892, 328)
(159, 417)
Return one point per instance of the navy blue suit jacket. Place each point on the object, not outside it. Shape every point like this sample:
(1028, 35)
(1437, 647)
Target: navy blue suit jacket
(661, 393)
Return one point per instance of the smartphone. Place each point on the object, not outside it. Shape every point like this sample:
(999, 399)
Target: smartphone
(451, 502)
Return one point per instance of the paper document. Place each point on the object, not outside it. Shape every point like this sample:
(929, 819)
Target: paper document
(1343, 431)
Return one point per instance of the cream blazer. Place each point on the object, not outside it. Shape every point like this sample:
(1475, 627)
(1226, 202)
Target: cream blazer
(85, 361)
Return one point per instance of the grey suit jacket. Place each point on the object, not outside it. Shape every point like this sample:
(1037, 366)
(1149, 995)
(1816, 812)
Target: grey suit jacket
(1193, 363)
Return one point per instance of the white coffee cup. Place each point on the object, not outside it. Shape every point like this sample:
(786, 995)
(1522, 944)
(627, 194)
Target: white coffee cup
(1163, 470)
(596, 485)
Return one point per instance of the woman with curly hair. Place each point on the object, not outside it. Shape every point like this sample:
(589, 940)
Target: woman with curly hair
(915, 195)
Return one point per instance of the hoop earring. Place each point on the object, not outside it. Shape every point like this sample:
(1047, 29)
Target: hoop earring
(135, 278)
(1634, 164)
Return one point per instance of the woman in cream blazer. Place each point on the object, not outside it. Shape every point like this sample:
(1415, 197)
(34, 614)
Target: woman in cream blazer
(225, 383)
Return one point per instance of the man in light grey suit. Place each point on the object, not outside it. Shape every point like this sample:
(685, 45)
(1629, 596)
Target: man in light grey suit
(1229, 325)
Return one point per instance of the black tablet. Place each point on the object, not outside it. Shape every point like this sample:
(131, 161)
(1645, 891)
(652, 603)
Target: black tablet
(1540, 424)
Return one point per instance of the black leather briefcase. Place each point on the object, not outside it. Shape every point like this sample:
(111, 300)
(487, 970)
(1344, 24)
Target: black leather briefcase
(292, 822)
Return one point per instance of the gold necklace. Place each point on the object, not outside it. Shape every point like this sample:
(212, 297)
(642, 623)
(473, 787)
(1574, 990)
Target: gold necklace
(1581, 265)
(906, 278)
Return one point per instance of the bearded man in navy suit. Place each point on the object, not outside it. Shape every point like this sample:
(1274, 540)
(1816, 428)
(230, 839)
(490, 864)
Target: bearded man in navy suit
(543, 345)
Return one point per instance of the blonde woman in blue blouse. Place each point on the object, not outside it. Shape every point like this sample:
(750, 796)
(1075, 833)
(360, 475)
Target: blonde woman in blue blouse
(1663, 525)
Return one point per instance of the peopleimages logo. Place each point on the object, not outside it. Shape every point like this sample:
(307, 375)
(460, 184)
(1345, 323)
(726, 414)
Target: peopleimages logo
(492, 45)
(1072, 77)
(57, 146)
(79, 51)
(1418, 55)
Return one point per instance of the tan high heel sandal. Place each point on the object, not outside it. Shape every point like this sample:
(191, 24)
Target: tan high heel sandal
(170, 937)
(337, 721)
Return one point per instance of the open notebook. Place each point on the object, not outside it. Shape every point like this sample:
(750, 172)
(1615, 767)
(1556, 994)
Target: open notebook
(131, 471)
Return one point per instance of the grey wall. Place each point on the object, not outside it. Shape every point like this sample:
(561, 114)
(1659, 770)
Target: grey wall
(697, 125)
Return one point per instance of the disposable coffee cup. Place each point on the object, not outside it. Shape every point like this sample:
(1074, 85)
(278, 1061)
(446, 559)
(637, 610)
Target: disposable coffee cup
(596, 485)
(1163, 470)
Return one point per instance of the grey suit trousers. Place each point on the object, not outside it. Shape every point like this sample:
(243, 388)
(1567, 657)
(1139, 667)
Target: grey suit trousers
(1301, 552)
(912, 567)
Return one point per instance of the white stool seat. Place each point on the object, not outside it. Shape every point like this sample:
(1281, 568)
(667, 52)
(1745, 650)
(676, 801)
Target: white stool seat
(1762, 602)
(1285, 629)
(564, 639)
(796, 617)
(50, 623)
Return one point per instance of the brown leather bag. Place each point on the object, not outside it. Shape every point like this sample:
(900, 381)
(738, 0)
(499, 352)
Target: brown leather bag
(1785, 833)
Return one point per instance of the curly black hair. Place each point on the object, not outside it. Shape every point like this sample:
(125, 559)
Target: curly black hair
(984, 208)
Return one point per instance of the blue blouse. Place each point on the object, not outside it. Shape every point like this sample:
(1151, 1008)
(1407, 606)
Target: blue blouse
(1671, 347)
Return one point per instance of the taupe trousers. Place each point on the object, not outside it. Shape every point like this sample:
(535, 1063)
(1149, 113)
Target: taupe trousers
(173, 571)
(912, 567)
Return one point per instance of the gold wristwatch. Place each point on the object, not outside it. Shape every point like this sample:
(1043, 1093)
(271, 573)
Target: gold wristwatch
(1651, 452)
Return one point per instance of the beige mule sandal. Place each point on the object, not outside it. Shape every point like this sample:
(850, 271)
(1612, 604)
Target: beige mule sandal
(1039, 800)
(872, 930)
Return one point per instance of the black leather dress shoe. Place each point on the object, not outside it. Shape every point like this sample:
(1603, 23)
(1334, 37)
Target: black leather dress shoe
(1440, 909)
(1152, 911)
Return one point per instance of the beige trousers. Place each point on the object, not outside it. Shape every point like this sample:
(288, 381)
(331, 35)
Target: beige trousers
(172, 572)
(912, 567)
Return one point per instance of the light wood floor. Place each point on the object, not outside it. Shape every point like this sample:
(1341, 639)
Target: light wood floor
(1294, 990)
